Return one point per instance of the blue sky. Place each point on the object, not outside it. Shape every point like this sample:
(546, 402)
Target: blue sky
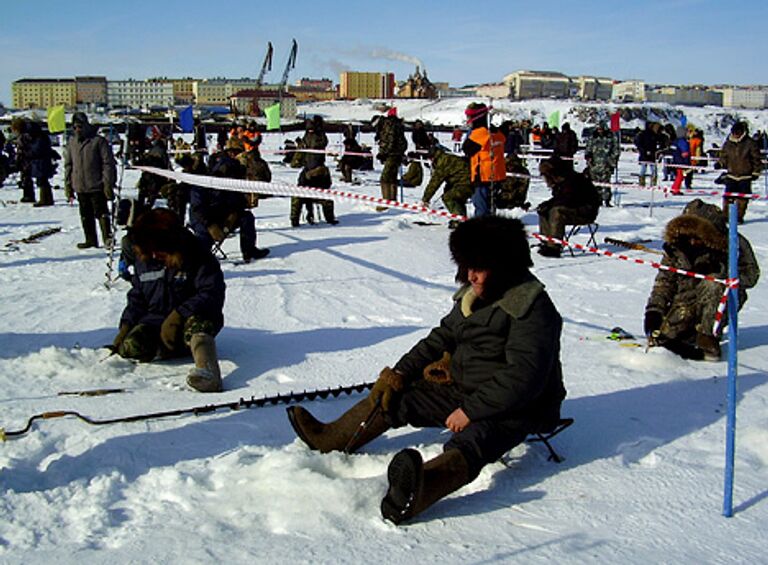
(672, 41)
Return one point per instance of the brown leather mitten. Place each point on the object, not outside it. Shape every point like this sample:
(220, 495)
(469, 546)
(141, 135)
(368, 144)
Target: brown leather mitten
(439, 372)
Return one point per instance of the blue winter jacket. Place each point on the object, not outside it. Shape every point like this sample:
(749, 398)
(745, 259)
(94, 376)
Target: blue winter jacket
(196, 289)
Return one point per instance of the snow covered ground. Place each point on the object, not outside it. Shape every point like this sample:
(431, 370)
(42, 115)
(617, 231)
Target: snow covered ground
(643, 471)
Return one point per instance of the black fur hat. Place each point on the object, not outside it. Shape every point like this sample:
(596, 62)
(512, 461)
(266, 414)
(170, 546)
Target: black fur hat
(493, 243)
(156, 230)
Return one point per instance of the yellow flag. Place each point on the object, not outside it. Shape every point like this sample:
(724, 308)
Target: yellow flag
(273, 116)
(56, 122)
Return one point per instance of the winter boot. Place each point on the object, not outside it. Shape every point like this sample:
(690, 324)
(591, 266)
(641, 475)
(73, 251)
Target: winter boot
(340, 434)
(28, 190)
(89, 229)
(414, 485)
(709, 345)
(206, 376)
(106, 231)
(46, 197)
(642, 180)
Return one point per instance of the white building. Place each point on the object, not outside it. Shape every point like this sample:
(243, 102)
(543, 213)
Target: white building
(495, 90)
(744, 98)
(538, 84)
(629, 91)
(139, 93)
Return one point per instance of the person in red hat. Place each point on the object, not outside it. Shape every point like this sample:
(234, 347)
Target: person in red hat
(485, 149)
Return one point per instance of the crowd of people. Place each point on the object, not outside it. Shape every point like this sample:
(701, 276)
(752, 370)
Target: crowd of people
(490, 371)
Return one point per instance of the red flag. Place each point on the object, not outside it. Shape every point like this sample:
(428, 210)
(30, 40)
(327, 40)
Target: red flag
(615, 121)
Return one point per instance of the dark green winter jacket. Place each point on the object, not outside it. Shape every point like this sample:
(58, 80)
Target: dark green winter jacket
(505, 357)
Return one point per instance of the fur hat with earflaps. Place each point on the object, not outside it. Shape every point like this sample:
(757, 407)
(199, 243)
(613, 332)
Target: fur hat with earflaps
(493, 243)
(158, 231)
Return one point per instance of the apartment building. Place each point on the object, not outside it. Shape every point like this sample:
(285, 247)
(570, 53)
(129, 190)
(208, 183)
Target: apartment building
(139, 93)
(43, 92)
(744, 98)
(538, 84)
(91, 90)
(593, 88)
(366, 85)
(629, 91)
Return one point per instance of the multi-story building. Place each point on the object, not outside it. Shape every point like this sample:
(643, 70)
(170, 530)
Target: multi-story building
(318, 83)
(366, 85)
(217, 91)
(43, 93)
(538, 84)
(744, 97)
(251, 102)
(91, 90)
(183, 89)
(494, 90)
(593, 88)
(685, 95)
(629, 91)
(139, 93)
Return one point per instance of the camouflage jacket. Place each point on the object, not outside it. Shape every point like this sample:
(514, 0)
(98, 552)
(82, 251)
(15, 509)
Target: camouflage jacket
(448, 168)
(316, 140)
(256, 168)
(705, 223)
(391, 137)
(602, 151)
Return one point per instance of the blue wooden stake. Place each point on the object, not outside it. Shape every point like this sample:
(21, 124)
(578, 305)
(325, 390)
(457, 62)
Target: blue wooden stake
(733, 307)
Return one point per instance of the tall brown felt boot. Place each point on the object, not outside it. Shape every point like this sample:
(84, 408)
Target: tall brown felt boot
(414, 485)
(340, 434)
(206, 376)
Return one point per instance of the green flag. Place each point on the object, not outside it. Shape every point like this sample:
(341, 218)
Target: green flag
(554, 119)
(273, 116)
(56, 122)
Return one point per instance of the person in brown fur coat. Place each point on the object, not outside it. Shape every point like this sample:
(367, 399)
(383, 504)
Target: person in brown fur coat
(680, 312)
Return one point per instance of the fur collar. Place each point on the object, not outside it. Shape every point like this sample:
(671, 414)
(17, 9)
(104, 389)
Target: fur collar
(516, 301)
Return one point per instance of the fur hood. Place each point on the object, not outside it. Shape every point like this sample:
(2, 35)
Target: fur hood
(690, 225)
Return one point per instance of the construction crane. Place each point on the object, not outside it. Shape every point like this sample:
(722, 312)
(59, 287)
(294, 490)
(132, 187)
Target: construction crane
(266, 65)
(288, 66)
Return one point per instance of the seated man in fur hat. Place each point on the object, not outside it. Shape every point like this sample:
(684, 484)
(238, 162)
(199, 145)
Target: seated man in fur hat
(575, 201)
(490, 373)
(680, 312)
(176, 300)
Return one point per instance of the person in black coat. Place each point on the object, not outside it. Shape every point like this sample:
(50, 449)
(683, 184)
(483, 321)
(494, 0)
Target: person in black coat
(490, 373)
(575, 201)
(214, 213)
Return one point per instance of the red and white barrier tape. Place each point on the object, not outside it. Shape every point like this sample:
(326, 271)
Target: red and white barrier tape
(284, 189)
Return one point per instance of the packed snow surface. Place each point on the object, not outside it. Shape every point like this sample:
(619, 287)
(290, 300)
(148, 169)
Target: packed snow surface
(642, 479)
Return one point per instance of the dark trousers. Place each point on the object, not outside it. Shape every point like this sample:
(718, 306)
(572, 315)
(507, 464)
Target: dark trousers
(428, 405)
(93, 206)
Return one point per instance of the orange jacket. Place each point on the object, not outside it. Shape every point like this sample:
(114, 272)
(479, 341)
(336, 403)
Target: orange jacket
(251, 139)
(696, 149)
(489, 161)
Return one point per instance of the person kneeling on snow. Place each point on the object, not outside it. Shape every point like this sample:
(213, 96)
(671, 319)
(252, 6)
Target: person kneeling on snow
(680, 312)
(490, 373)
(176, 301)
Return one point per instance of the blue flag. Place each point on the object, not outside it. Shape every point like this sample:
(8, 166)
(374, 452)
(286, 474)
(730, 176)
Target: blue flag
(187, 120)
(683, 120)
